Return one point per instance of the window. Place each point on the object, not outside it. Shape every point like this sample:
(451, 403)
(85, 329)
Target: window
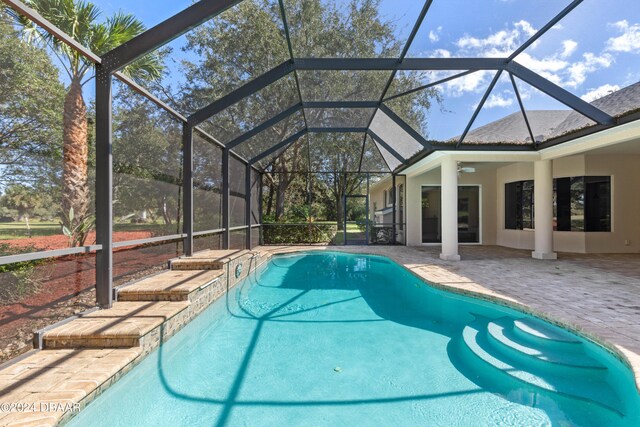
(384, 199)
(390, 195)
(518, 205)
(582, 203)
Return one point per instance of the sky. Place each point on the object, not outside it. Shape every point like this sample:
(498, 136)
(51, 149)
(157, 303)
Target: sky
(591, 52)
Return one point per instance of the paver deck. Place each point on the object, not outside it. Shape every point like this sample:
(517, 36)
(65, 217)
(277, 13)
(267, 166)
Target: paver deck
(120, 326)
(207, 260)
(172, 285)
(52, 377)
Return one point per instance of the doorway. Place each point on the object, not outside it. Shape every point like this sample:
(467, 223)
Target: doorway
(468, 214)
(356, 220)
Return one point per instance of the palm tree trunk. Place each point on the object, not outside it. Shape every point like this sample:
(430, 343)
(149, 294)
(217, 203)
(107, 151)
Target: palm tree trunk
(75, 189)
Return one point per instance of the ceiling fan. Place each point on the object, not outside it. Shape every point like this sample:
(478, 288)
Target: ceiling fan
(465, 169)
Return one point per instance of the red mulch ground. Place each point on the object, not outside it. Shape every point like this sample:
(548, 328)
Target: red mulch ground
(67, 286)
(60, 241)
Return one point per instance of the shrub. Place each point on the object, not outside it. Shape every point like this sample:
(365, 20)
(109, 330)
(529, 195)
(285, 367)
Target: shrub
(18, 279)
(291, 234)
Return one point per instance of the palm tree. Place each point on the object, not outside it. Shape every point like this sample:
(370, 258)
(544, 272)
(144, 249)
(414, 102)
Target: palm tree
(79, 19)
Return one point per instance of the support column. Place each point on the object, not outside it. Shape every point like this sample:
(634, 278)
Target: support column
(393, 212)
(260, 201)
(543, 210)
(187, 187)
(104, 190)
(247, 205)
(449, 194)
(225, 198)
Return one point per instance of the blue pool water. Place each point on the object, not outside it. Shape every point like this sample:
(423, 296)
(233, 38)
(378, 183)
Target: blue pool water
(334, 339)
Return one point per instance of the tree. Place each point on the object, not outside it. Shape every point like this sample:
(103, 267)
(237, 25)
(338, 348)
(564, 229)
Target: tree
(79, 19)
(24, 200)
(31, 99)
(147, 166)
(248, 40)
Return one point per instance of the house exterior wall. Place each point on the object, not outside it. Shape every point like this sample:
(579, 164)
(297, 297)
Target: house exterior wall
(376, 196)
(625, 179)
(624, 170)
(485, 178)
(625, 203)
(377, 202)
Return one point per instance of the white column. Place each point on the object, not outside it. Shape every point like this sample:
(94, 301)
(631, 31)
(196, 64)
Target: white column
(449, 181)
(543, 209)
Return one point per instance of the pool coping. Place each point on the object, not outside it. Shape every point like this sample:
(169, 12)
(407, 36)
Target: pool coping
(629, 358)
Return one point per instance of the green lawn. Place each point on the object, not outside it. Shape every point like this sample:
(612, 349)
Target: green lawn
(17, 230)
(353, 234)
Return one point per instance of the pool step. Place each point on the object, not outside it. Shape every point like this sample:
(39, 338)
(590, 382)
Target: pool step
(568, 362)
(171, 285)
(207, 260)
(539, 333)
(126, 324)
(515, 376)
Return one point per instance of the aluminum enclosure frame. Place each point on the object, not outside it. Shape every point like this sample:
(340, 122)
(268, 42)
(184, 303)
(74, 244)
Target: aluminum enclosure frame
(110, 64)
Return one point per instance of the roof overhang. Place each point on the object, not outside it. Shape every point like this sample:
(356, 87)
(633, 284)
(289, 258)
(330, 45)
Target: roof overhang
(611, 136)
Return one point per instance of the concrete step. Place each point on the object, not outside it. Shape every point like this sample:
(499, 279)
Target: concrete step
(207, 260)
(180, 285)
(126, 324)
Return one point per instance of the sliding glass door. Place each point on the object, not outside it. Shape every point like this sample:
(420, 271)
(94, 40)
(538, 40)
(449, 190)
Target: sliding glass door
(468, 214)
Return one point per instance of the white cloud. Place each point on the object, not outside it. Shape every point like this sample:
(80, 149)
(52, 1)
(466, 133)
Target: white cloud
(470, 83)
(568, 47)
(441, 53)
(548, 67)
(499, 44)
(525, 27)
(498, 101)
(599, 92)
(578, 71)
(628, 41)
(564, 67)
(434, 36)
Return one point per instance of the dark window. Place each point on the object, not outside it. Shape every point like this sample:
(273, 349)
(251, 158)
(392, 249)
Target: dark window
(597, 203)
(582, 203)
(518, 205)
(562, 204)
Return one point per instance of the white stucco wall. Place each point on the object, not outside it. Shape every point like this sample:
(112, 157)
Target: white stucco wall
(625, 180)
(483, 177)
(625, 203)
(376, 195)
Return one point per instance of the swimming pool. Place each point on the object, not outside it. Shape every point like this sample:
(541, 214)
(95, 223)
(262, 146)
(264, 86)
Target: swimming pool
(328, 338)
